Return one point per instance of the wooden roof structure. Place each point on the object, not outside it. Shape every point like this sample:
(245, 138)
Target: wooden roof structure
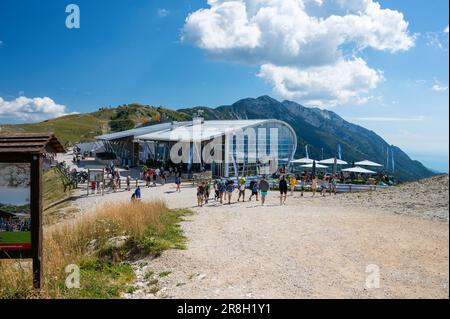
(33, 143)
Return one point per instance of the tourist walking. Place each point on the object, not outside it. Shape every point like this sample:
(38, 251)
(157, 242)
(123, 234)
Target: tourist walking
(222, 189)
(207, 190)
(293, 183)
(333, 185)
(229, 189)
(128, 183)
(283, 187)
(324, 186)
(264, 188)
(154, 175)
(200, 194)
(157, 172)
(301, 184)
(216, 190)
(254, 188)
(163, 178)
(241, 188)
(178, 184)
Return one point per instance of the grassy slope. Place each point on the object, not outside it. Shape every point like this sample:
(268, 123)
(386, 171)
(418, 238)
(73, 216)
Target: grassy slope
(76, 128)
(69, 129)
(53, 187)
(105, 270)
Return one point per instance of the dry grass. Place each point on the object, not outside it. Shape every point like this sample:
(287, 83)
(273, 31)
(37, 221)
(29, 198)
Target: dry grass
(84, 241)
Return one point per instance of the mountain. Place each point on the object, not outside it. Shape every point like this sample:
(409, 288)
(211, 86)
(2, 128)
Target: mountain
(314, 127)
(319, 129)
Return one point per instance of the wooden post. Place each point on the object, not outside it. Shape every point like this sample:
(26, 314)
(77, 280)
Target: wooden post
(36, 225)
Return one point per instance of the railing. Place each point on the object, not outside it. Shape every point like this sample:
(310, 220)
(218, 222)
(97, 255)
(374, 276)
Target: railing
(66, 178)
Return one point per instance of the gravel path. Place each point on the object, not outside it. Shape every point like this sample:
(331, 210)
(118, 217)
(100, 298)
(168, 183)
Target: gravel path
(310, 248)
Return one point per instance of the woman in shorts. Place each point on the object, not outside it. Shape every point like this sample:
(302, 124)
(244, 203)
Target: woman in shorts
(283, 187)
(242, 187)
(264, 187)
(200, 194)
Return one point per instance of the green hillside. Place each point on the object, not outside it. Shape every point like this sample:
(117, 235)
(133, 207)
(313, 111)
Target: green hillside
(76, 128)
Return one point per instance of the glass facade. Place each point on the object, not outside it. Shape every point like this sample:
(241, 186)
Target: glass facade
(260, 149)
(255, 147)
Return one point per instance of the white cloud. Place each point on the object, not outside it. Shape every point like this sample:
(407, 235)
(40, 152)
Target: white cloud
(162, 13)
(30, 109)
(438, 39)
(300, 44)
(439, 88)
(326, 85)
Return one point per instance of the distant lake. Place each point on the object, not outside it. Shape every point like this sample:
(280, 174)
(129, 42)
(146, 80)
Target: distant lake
(14, 195)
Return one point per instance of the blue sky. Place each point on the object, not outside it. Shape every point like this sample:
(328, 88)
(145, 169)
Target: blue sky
(133, 52)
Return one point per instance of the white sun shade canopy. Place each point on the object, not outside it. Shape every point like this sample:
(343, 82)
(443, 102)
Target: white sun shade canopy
(368, 163)
(303, 160)
(330, 161)
(358, 170)
(311, 166)
(206, 131)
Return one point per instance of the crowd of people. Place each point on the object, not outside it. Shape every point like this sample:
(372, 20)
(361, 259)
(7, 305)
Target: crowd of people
(258, 188)
(15, 224)
(254, 189)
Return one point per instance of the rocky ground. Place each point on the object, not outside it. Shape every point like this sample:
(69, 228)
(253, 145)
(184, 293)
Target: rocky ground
(427, 198)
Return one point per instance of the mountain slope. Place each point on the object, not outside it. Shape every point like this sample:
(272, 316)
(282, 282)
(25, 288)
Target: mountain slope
(320, 129)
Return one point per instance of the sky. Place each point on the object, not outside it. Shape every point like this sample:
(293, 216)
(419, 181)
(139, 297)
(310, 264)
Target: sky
(382, 65)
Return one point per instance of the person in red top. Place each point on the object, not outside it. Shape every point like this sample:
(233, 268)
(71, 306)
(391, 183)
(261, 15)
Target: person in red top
(148, 177)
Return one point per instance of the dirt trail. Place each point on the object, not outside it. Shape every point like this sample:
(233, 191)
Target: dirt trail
(310, 248)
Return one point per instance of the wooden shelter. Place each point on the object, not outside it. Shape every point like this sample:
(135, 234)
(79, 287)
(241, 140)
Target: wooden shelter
(30, 143)
(30, 148)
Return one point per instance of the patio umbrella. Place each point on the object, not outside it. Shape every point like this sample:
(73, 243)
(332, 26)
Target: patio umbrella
(303, 160)
(332, 161)
(314, 166)
(358, 169)
(368, 163)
